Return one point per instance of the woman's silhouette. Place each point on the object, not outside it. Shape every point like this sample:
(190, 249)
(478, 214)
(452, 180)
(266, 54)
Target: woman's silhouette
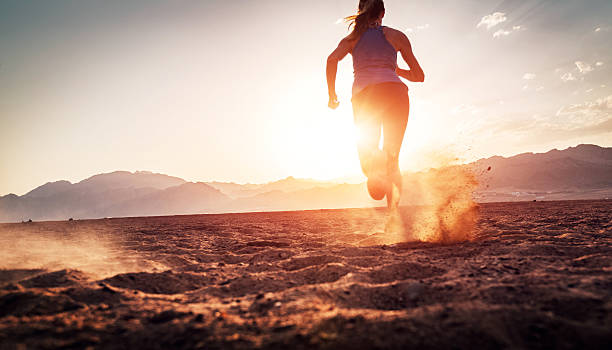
(380, 99)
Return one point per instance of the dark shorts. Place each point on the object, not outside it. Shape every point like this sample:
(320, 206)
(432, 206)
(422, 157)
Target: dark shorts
(369, 92)
(385, 106)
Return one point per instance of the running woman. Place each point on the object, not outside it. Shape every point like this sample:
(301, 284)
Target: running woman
(379, 97)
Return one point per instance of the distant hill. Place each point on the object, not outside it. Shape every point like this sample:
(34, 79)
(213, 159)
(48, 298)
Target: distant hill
(126, 179)
(576, 168)
(186, 198)
(289, 184)
(111, 194)
(584, 171)
(328, 196)
(581, 172)
(49, 189)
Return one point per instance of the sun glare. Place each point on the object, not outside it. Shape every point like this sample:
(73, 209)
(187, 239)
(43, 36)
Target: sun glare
(318, 143)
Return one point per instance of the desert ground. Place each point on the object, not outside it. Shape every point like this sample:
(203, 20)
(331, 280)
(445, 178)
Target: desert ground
(534, 275)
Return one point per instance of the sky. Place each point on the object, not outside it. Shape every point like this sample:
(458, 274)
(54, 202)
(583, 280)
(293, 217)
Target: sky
(234, 90)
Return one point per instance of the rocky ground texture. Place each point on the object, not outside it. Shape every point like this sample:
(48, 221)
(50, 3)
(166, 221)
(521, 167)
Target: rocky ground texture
(537, 275)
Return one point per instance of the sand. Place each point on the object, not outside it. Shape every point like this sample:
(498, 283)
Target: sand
(536, 275)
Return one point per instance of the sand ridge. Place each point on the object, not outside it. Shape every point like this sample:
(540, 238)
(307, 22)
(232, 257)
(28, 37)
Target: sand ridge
(537, 275)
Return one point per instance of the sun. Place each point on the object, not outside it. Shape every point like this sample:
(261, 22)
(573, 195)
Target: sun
(325, 148)
(312, 141)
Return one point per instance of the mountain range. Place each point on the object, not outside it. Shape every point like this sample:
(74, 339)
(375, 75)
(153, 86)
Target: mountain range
(581, 172)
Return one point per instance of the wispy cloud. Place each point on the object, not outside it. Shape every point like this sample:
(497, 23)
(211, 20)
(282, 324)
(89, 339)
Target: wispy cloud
(501, 33)
(586, 114)
(506, 32)
(418, 28)
(577, 121)
(492, 20)
(599, 64)
(529, 76)
(568, 77)
(583, 67)
(526, 87)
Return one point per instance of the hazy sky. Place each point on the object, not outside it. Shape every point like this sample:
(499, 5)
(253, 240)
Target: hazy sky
(235, 90)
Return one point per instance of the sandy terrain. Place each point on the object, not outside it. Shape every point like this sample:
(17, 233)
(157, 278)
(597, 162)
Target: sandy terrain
(536, 275)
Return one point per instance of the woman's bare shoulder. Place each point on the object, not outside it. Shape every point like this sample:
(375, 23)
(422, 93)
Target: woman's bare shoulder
(395, 37)
(348, 42)
(392, 32)
(349, 39)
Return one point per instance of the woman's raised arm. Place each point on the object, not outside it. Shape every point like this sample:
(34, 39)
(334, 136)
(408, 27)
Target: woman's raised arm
(344, 48)
(415, 73)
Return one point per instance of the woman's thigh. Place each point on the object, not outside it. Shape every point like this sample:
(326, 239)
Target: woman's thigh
(394, 120)
(368, 120)
(383, 106)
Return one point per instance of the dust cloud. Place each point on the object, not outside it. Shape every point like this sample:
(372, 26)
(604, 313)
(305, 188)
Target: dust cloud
(450, 214)
(445, 211)
(89, 252)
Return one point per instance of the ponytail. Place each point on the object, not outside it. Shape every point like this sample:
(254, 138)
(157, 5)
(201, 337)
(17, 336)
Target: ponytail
(368, 11)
